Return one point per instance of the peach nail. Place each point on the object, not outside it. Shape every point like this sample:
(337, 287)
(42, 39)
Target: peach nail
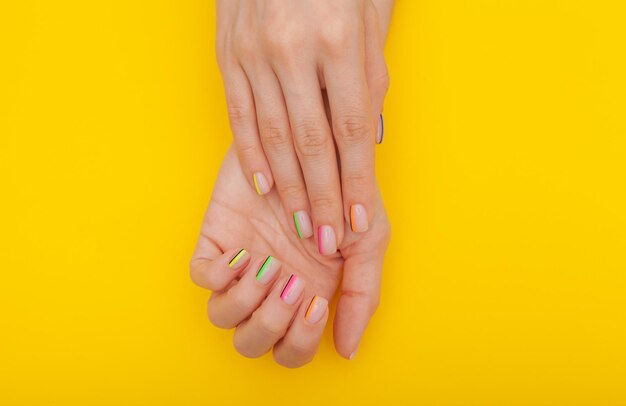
(316, 310)
(358, 218)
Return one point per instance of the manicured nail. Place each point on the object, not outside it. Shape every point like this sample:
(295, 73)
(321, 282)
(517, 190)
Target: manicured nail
(317, 309)
(303, 224)
(358, 218)
(352, 356)
(380, 134)
(326, 240)
(267, 270)
(260, 183)
(292, 290)
(239, 259)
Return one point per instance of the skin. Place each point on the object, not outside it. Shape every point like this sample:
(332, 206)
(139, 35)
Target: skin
(238, 218)
(279, 60)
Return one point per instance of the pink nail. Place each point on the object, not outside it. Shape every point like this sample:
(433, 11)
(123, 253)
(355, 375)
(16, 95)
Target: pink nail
(292, 290)
(358, 218)
(261, 184)
(303, 224)
(317, 309)
(326, 240)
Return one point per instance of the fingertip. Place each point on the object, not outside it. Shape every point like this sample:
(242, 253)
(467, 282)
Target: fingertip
(351, 320)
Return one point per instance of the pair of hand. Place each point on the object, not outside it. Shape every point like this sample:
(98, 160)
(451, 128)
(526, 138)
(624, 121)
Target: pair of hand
(305, 82)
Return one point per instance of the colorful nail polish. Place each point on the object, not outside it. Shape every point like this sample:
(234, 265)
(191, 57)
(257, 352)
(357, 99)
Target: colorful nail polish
(358, 218)
(316, 310)
(303, 224)
(292, 290)
(326, 240)
(380, 134)
(268, 269)
(236, 262)
(261, 184)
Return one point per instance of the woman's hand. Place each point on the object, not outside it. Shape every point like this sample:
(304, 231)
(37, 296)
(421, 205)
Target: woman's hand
(279, 61)
(256, 296)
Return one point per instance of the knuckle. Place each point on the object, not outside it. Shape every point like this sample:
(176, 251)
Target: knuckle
(242, 303)
(284, 42)
(382, 81)
(268, 325)
(372, 305)
(336, 35)
(247, 151)
(193, 270)
(357, 180)
(354, 130)
(217, 318)
(312, 140)
(212, 281)
(292, 191)
(386, 229)
(245, 46)
(238, 115)
(325, 203)
(275, 137)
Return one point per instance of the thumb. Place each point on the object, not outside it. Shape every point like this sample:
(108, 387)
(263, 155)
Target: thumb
(360, 295)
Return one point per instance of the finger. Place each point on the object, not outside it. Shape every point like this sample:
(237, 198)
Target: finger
(299, 345)
(227, 309)
(316, 152)
(269, 323)
(353, 129)
(243, 123)
(360, 294)
(277, 142)
(375, 66)
(217, 272)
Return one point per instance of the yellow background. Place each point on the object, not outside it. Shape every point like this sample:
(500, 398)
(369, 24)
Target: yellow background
(503, 168)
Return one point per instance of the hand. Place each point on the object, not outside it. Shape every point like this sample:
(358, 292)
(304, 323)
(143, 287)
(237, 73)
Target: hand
(249, 297)
(279, 61)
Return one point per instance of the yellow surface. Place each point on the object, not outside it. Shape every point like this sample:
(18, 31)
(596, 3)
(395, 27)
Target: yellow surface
(503, 167)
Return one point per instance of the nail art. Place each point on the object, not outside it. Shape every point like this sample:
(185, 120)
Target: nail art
(316, 309)
(288, 285)
(358, 218)
(293, 290)
(264, 267)
(380, 134)
(237, 257)
(260, 183)
(256, 183)
(326, 240)
(303, 224)
(295, 220)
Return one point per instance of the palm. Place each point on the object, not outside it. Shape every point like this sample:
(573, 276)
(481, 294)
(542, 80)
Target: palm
(238, 217)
